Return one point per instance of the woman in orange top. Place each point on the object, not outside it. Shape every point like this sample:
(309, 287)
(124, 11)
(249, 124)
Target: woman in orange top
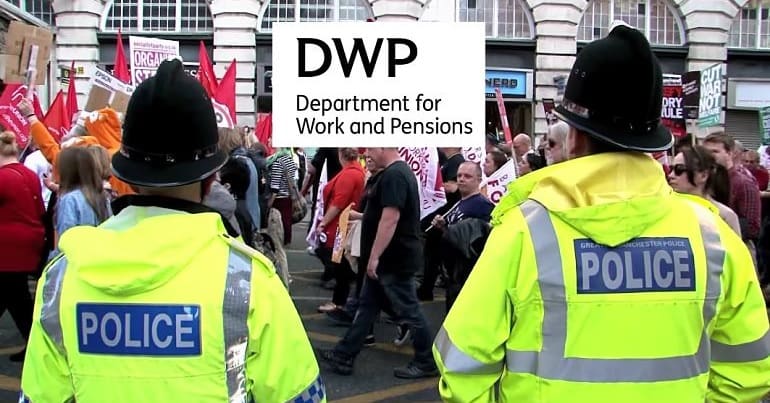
(103, 128)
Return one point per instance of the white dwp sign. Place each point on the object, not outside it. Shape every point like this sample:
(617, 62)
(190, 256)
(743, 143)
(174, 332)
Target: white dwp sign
(378, 84)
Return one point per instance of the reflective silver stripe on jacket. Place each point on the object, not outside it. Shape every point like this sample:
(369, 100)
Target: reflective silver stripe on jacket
(551, 362)
(458, 362)
(235, 315)
(314, 393)
(49, 312)
(752, 351)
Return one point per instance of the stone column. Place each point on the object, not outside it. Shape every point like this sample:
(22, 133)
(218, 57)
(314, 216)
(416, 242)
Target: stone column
(708, 27)
(556, 23)
(235, 27)
(399, 10)
(77, 22)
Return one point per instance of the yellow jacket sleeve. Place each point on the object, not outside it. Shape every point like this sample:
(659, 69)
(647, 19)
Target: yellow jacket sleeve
(280, 362)
(470, 348)
(46, 376)
(740, 342)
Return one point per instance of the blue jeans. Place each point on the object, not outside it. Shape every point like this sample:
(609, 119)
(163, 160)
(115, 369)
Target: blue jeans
(401, 293)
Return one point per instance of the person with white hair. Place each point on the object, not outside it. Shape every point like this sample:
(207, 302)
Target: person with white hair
(556, 150)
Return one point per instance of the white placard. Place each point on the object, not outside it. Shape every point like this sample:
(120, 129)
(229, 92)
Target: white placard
(104, 79)
(496, 185)
(394, 84)
(147, 54)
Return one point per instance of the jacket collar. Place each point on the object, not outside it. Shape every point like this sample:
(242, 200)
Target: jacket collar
(170, 203)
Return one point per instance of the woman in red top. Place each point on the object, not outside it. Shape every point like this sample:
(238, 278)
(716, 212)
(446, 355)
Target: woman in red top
(21, 226)
(343, 190)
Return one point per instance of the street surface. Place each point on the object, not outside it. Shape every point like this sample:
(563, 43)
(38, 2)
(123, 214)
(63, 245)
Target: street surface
(372, 380)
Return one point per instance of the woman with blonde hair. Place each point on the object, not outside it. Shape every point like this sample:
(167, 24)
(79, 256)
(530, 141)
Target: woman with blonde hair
(23, 235)
(102, 158)
(82, 200)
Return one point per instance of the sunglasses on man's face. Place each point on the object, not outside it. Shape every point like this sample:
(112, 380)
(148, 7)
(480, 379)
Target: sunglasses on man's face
(679, 169)
(551, 143)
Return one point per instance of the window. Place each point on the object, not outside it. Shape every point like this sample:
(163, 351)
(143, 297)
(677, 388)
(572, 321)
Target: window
(653, 17)
(508, 19)
(159, 16)
(313, 10)
(751, 28)
(38, 8)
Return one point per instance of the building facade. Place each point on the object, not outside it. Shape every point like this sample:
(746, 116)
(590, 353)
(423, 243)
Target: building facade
(33, 12)
(530, 47)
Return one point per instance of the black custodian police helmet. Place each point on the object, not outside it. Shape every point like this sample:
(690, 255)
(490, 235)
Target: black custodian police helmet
(169, 132)
(615, 92)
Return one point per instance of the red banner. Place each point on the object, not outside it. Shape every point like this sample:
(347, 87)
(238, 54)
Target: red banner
(10, 116)
(57, 120)
(503, 116)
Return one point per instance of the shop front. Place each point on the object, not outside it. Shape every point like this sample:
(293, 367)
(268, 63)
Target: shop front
(748, 90)
(516, 89)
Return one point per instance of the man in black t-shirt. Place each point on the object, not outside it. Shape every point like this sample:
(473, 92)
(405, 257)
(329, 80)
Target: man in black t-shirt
(391, 253)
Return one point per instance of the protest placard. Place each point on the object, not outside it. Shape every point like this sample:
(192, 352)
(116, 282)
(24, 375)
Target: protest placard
(710, 110)
(672, 111)
(691, 94)
(147, 54)
(107, 90)
(496, 185)
(764, 125)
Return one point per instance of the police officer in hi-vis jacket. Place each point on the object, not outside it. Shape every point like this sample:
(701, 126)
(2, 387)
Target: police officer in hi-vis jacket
(600, 284)
(161, 303)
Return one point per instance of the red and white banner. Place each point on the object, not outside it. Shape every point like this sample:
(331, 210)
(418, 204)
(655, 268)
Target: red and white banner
(496, 185)
(474, 154)
(424, 163)
(226, 91)
(503, 116)
(147, 54)
(222, 113)
(10, 116)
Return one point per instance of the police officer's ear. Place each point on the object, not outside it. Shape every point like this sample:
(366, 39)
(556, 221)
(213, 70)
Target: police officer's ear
(578, 143)
(206, 185)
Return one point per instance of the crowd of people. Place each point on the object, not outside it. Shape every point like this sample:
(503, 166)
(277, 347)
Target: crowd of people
(596, 276)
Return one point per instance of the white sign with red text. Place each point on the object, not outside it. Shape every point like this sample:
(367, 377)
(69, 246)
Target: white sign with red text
(147, 54)
(423, 161)
(495, 186)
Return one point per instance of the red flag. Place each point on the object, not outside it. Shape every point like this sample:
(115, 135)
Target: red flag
(206, 71)
(225, 94)
(72, 94)
(10, 116)
(56, 119)
(264, 131)
(121, 67)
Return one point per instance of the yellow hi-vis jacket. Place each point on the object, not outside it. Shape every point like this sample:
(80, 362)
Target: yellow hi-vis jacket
(157, 305)
(599, 284)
